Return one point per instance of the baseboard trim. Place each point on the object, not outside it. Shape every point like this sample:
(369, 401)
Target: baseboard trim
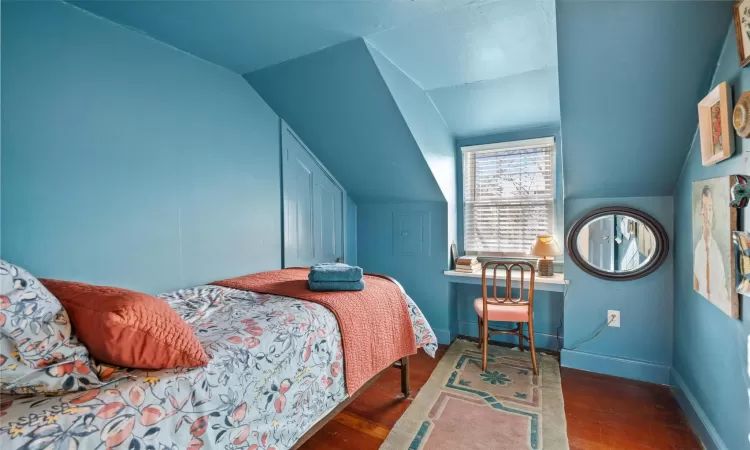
(618, 367)
(443, 336)
(542, 340)
(696, 416)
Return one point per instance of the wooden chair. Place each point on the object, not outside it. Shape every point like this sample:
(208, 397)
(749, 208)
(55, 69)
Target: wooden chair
(506, 308)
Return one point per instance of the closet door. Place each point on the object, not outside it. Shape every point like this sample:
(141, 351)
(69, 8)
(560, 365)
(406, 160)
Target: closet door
(313, 213)
(328, 220)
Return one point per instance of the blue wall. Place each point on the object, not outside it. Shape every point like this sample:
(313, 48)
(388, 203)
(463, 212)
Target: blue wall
(631, 73)
(339, 105)
(424, 121)
(710, 348)
(128, 162)
(525, 100)
(428, 128)
(408, 242)
(642, 347)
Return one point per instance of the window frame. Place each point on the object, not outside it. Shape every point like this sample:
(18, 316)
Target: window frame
(520, 144)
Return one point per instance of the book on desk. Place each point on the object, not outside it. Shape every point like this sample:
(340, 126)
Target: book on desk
(468, 264)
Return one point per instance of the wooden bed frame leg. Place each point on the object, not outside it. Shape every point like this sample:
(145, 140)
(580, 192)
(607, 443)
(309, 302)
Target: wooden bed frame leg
(405, 388)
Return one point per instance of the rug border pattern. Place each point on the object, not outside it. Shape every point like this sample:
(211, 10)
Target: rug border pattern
(415, 426)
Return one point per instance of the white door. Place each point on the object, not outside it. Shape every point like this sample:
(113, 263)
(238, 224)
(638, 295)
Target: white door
(602, 243)
(328, 217)
(313, 207)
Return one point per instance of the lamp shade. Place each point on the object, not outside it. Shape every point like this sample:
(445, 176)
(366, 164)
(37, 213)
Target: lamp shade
(545, 245)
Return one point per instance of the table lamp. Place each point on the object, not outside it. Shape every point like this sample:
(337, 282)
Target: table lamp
(545, 247)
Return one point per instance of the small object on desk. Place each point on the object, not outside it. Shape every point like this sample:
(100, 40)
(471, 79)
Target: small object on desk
(467, 260)
(454, 255)
(546, 247)
(468, 264)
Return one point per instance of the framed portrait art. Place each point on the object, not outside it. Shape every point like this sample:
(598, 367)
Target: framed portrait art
(717, 136)
(714, 221)
(742, 29)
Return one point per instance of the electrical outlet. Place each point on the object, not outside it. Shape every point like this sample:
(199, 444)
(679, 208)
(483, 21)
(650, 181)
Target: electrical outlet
(613, 318)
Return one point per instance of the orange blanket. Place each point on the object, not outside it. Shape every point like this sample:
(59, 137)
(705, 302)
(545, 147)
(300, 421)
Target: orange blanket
(375, 326)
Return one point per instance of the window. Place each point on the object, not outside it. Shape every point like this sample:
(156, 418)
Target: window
(509, 196)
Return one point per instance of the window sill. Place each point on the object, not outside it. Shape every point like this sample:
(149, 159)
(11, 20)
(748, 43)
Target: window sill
(558, 263)
(530, 258)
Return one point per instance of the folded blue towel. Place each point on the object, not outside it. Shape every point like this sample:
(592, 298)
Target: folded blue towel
(335, 272)
(323, 286)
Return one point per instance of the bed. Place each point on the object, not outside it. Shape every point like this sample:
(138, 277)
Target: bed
(276, 373)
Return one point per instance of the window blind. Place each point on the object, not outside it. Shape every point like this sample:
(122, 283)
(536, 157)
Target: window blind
(509, 195)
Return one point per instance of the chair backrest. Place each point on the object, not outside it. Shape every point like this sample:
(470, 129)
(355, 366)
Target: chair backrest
(507, 298)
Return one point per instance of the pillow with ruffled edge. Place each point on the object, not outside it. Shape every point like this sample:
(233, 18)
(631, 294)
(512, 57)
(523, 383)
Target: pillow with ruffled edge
(37, 339)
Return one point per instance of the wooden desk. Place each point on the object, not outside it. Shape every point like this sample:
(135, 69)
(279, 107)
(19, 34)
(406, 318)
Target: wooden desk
(555, 283)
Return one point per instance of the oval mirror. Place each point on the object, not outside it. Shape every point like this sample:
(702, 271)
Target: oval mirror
(617, 243)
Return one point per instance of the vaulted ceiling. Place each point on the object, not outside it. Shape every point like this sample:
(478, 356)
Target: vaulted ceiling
(629, 77)
(488, 65)
(337, 101)
(244, 36)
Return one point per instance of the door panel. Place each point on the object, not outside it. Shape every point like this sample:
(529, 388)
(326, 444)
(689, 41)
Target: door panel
(299, 202)
(601, 243)
(313, 207)
(328, 215)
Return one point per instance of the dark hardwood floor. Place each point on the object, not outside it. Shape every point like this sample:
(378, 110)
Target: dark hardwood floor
(606, 412)
(602, 413)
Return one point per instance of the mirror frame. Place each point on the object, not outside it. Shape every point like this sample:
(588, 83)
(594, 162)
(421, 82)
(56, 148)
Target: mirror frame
(660, 236)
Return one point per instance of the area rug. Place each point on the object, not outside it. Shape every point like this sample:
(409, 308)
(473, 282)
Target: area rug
(506, 407)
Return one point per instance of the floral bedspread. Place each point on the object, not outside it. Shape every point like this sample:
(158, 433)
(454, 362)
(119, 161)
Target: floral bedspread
(276, 368)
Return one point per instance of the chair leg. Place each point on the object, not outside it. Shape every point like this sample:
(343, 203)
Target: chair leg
(531, 344)
(520, 336)
(479, 331)
(485, 339)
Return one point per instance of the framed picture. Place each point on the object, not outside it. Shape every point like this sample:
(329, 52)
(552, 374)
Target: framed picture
(714, 221)
(742, 30)
(646, 240)
(717, 139)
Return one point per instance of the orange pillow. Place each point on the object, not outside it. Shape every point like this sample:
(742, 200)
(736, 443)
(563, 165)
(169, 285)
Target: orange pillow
(127, 328)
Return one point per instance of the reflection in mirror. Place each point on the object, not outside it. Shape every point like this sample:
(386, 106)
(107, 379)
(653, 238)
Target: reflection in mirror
(616, 243)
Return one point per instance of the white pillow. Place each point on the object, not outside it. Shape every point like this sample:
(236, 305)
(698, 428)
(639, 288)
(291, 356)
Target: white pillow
(36, 333)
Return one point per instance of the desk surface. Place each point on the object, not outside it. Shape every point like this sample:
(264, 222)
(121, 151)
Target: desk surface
(555, 283)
